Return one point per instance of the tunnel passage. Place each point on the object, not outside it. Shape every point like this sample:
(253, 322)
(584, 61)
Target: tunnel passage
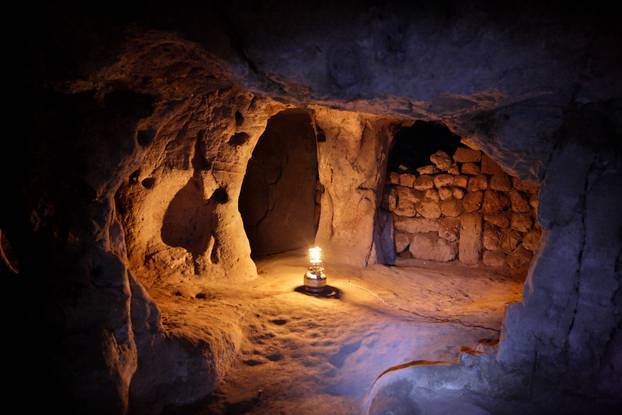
(453, 203)
(278, 200)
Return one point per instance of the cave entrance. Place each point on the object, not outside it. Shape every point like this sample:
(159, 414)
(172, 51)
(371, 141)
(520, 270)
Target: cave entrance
(450, 203)
(278, 200)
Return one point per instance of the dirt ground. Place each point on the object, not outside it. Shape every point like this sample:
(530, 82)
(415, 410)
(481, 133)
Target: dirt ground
(300, 354)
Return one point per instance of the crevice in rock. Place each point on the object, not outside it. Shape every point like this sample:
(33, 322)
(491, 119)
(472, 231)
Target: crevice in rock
(145, 137)
(238, 139)
(239, 118)
(582, 214)
(148, 182)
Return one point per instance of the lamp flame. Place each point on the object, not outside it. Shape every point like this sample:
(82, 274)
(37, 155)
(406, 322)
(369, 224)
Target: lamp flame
(315, 255)
(315, 279)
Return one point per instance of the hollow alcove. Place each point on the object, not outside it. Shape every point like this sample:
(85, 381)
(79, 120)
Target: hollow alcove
(278, 200)
(413, 145)
(452, 203)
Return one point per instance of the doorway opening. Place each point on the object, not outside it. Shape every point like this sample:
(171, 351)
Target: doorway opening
(278, 201)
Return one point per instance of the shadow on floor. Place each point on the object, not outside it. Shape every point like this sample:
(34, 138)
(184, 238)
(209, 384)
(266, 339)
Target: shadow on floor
(327, 292)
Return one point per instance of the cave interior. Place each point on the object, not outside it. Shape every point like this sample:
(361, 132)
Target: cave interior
(460, 167)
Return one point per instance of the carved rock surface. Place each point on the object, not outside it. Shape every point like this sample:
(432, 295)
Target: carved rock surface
(121, 114)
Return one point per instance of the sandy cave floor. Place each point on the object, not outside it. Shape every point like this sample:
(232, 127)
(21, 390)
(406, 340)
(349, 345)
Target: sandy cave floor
(305, 355)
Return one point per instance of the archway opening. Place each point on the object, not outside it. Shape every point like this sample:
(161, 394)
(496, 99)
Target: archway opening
(278, 201)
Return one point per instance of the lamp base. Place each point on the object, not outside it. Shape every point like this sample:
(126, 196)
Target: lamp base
(315, 282)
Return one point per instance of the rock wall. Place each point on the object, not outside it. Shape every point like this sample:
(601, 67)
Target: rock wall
(464, 207)
(352, 161)
(563, 336)
(119, 113)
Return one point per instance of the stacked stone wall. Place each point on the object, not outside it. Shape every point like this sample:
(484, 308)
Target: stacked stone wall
(464, 208)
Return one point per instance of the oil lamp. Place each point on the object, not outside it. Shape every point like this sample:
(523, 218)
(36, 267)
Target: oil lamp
(315, 279)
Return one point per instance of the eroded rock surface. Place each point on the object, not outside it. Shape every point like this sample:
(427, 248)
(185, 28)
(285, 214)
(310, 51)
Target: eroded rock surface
(119, 115)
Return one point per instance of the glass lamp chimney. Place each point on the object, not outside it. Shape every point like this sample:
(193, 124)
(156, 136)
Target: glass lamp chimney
(315, 279)
(315, 255)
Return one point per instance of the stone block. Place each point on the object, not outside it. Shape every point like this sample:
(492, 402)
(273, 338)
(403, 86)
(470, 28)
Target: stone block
(472, 201)
(467, 155)
(470, 244)
(491, 238)
(528, 186)
(445, 193)
(429, 169)
(471, 169)
(521, 222)
(453, 170)
(431, 194)
(394, 178)
(424, 182)
(449, 229)
(461, 181)
(441, 160)
(429, 209)
(489, 166)
(510, 239)
(406, 193)
(415, 225)
(407, 180)
(498, 219)
(441, 180)
(531, 241)
(501, 182)
(405, 208)
(519, 202)
(476, 183)
(495, 201)
(451, 207)
(392, 199)
(458, 193)
(429, 246)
